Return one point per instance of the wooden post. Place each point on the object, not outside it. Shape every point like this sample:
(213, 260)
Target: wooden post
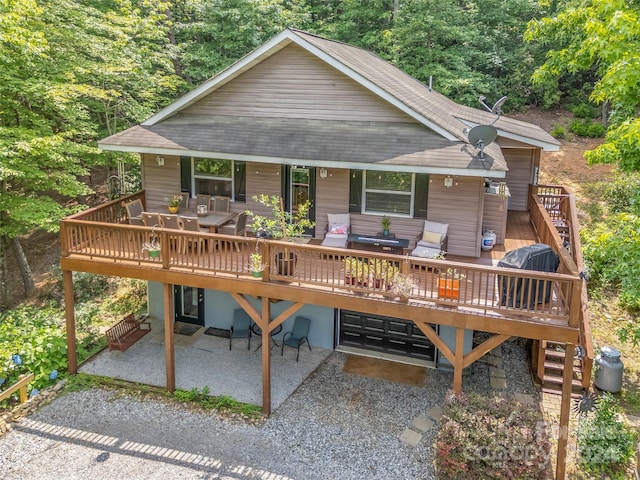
(565, 410)
(169, 349)
(266, 357)
(458, 364)
(69, 312)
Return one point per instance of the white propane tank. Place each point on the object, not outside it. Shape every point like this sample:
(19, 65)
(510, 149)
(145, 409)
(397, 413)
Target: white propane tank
(488, 240)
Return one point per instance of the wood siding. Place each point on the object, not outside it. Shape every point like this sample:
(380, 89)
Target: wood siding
(495, 216)
(160, 181)
(332, 196)
(294, 84)
(520, 175)
(461, 206)
(262, 178)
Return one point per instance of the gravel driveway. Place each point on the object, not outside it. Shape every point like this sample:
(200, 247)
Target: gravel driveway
(334, 426)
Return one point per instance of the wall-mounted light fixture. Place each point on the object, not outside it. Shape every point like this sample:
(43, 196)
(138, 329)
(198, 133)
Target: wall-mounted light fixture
(448, 181)
(323, 173)
(160, 160)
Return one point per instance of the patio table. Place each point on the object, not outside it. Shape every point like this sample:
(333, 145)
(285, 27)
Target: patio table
(212, 220)
(258, 332)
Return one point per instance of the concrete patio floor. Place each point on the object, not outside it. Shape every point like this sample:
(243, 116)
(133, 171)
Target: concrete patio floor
(205, 360)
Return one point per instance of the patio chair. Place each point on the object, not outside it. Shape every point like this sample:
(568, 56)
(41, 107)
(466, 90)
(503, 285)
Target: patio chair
(192, 224)
(337, 230)
(151, 219)
(432, 241)
(172, 221)
(241, 327)
(134, 212)
(221, 204)
(235, 227)
(298, 336)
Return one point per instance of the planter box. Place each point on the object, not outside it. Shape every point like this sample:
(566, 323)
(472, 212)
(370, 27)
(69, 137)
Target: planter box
(448, 288)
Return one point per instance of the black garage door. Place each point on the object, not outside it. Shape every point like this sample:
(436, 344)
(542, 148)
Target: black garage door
(385, 335)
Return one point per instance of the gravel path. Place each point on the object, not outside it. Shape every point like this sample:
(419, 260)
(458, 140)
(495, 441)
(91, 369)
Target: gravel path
(334, 426)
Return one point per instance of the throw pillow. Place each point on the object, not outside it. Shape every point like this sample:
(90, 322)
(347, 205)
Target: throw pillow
(431, 237)
(339, 229)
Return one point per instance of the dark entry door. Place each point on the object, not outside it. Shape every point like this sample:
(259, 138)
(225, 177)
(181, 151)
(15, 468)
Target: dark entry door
(189, 304)
(384, 335)
(300, 186)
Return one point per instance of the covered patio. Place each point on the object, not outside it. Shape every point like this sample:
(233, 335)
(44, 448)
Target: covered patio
(206, 361)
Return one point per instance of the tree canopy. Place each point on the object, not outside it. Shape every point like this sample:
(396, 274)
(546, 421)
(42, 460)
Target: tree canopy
(602, 37)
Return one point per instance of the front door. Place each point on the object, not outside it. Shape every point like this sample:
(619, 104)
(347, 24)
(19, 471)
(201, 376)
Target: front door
(189, 304)
(300, 187)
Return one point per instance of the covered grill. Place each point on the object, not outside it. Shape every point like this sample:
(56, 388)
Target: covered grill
(526, 293)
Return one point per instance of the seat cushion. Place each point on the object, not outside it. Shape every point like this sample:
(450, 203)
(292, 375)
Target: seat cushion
(435, 227)
(335, 241)
(425, 252)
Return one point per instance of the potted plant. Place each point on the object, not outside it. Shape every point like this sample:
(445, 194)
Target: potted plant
(403, 286)
(153, 245)
(449, 283)
(282, 225)
(256, 267)
(386, 222)
(174, 202)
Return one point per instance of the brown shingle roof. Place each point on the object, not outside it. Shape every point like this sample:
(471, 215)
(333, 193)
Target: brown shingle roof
(369, 143)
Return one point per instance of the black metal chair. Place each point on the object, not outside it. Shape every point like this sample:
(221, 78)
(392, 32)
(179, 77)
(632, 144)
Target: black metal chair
(298, 336)
(241, 327)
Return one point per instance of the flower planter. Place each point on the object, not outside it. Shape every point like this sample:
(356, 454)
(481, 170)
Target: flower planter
(448, 288)
(256, 274)
(286, 266)
(154, 253)
(173, 209)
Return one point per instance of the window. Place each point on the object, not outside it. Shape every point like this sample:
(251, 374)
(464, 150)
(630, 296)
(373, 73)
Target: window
(388, 193)
(216, 177)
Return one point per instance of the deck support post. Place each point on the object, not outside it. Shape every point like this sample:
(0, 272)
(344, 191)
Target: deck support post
(69, 313)
(458, 364)
(266, 357)
(169, 348)
(565, 410)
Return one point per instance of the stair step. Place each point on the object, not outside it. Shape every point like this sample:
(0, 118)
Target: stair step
(556, 380)
(560, 366)
(553, 353)
(574, 394)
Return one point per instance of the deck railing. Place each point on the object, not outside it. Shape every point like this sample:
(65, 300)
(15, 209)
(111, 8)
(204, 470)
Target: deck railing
(560, 205)
(483, 290)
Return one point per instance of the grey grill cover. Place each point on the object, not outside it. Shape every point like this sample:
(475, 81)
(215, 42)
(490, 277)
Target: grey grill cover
(526, 293)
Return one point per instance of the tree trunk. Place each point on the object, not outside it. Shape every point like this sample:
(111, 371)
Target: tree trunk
(25, 270)
(4, 293)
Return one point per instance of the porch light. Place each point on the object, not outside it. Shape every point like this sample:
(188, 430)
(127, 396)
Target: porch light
(448, 181)
(323, 173)
(160, 160)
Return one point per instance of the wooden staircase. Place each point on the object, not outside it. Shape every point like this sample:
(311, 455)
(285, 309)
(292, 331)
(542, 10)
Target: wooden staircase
(550, 368)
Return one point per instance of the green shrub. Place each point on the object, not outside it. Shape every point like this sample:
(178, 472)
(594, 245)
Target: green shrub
(558, 131)
(32, 341)
(604, 442)
(611, 251)
(587, 128)
(490, 438)
(623, 194)
(584, 110)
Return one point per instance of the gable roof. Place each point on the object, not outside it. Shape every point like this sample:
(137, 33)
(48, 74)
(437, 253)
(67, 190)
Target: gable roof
(443, 122)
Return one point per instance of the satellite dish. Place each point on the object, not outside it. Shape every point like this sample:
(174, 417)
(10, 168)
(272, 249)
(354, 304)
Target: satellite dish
(497, 107)
(482, 135)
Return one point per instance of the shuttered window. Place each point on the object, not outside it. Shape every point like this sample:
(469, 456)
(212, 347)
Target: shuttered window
(219, 177)
(389, 193)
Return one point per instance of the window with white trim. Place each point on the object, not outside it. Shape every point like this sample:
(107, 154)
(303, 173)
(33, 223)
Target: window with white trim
(213, 177)
(389, 193)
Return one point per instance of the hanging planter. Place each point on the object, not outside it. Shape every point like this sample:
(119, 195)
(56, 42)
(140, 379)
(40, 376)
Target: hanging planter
(153, 245)
(256, 267)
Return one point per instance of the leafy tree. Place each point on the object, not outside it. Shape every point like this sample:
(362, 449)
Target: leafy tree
(74, 71)
(603, 37)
